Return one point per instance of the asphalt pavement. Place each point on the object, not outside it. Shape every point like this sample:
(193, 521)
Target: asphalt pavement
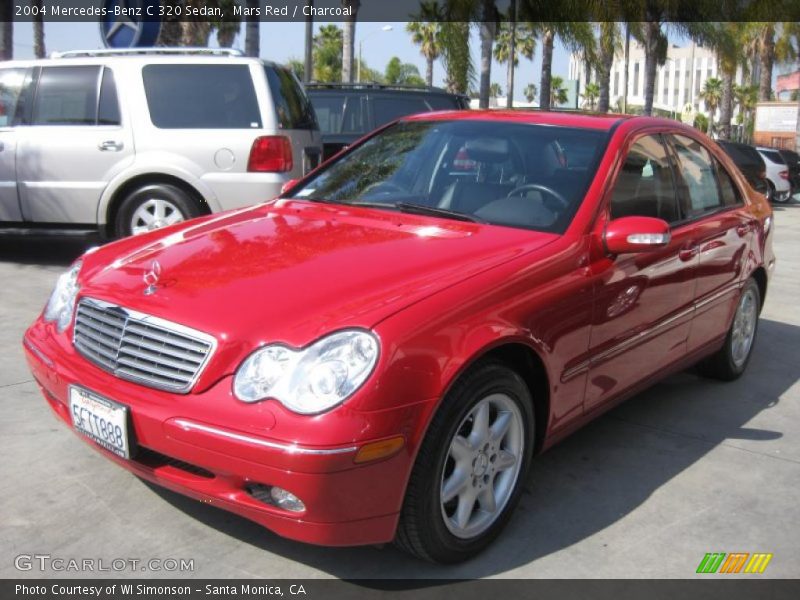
(691, 466)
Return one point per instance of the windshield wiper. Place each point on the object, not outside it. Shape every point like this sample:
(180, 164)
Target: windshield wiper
(421, 209)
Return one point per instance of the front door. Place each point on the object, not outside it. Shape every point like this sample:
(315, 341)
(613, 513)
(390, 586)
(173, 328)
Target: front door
(643, 302)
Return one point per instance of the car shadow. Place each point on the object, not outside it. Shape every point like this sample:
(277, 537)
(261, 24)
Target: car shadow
(44, 250)
(585, 484)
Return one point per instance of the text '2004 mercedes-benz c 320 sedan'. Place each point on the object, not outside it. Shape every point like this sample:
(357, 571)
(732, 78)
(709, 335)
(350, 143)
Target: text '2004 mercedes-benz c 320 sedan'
(378, 353)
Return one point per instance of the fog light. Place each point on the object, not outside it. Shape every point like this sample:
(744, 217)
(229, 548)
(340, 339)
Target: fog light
(286, 500)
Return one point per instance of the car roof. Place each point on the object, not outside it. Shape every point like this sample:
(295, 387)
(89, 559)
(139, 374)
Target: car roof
(585, 120)
(132, 58)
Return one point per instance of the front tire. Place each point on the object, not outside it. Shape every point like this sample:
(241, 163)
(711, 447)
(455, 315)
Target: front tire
(471, 467)
(730, 361)
(154, 206)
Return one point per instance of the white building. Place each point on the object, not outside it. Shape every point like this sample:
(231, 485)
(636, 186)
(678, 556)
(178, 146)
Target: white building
(678, 82)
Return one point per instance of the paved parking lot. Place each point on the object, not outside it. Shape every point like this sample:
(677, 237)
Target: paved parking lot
(689, 467)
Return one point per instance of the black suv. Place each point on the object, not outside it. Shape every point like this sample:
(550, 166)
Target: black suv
(750, 164)
(348, 111)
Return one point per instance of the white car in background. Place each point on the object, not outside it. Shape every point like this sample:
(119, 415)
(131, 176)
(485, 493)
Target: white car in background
(777, 174)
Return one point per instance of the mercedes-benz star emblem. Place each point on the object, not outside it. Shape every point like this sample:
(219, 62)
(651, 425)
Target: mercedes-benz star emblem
(151, 278)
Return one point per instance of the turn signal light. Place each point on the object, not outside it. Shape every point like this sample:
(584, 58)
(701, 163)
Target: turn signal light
(378, 450)
(270, 154)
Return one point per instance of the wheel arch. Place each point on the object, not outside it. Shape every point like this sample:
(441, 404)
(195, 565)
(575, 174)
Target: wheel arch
(116, 196)
(760, 276)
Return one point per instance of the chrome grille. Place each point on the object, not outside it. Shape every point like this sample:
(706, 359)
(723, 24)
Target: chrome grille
(139, 347)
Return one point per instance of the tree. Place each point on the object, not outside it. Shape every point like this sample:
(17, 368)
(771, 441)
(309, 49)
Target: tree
(426, 36)
(495, 90)
(38, 29)
(328, 54)
(711, 94)
(227, 29)
(530, 92)
(348, 47)
(297, 66)
(252, 30)
(513, 39)
(308, 45)
(591, 93)
(608, 43)
(577, 36)
(727, 41)
(456, 56)
(558, 93)
(488, 28)
(400, 73)
(6, 31)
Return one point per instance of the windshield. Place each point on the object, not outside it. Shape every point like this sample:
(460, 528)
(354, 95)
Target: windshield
(518, 175)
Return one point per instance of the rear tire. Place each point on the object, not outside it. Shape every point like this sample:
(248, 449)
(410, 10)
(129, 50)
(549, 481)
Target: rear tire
(471, 467)
(730, 361)
(154, 206)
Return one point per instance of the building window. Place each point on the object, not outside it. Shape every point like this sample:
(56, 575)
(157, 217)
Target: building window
(636, 79)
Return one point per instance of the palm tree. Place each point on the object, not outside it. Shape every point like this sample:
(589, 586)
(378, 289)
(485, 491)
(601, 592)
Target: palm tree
(456, 57)
(558, 93)
(38, 29)
(530, 92)
(426, 36)
(328, 53)
(575, 35)
(726, 40)
(6, 31)
(488, 28)
(308, 50)
(773, 42)
(591, 93)
(252, 33)
(608, 42)
(495, 90)
(348, 47)
(711, 94)
(513, 39)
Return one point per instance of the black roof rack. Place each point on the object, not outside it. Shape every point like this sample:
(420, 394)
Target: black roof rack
(374, 85)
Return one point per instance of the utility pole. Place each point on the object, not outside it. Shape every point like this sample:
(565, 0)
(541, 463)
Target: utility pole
(307, 64)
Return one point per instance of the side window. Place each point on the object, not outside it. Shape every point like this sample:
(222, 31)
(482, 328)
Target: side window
(66, 96)
(201, 96)
(388, 108)
(645, 186)
(11, 83)
(330, 112)
(727, 187)
(696, 175)
(108, 105)
(291, 103)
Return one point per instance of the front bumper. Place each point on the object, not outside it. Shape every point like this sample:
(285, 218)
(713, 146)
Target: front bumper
(210, 447)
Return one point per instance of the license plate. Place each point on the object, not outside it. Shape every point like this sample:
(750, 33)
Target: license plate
(100, 419)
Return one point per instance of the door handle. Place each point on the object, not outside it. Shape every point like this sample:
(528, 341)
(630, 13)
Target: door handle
(688, 253)
(110, 145)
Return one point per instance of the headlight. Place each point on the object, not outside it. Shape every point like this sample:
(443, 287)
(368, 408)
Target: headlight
(311, 380)
(62, 301)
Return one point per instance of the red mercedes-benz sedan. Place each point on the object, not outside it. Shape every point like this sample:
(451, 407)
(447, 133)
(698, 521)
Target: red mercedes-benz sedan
(378, 354)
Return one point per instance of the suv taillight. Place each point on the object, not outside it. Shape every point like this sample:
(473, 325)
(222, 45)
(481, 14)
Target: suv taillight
(784, 174)
(270, 153)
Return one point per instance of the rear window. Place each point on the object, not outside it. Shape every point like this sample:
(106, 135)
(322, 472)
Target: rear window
(389, 108)
(743, 154)
(66, 96)
(339, 113)
(203, 96)
(773, 156)
(294, 111)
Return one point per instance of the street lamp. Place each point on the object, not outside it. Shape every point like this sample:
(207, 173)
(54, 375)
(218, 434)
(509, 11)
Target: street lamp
(361, 44)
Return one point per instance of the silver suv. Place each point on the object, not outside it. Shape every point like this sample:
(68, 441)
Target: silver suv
(129, 141)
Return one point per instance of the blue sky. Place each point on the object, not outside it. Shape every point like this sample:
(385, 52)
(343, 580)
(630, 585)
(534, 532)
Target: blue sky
(282, 41)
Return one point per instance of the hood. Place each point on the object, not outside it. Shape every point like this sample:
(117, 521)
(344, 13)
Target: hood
(291, 271)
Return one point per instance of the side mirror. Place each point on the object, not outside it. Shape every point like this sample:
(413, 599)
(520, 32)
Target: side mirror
(288, 185)
(636, 234)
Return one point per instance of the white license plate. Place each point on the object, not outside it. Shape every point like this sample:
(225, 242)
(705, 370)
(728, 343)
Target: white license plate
(101, 419)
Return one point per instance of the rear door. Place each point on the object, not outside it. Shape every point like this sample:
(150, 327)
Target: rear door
(72, 143)
(712, 207)
(12, 82)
